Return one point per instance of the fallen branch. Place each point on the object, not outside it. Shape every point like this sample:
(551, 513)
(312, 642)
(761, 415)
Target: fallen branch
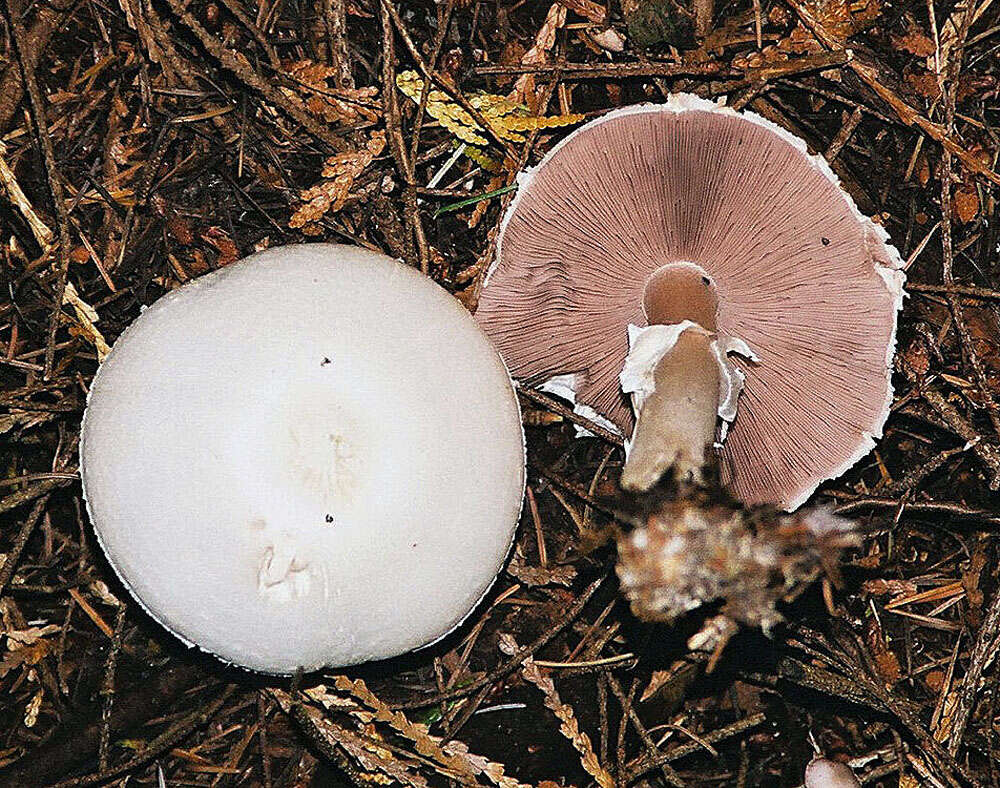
(603, 70)
(970, 291)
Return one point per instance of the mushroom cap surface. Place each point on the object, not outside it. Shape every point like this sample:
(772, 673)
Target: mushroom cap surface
(824, 773)
(810, 284)
(312, 457)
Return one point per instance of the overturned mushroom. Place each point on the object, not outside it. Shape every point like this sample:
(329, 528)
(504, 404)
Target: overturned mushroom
(702, 262)
(311, 457)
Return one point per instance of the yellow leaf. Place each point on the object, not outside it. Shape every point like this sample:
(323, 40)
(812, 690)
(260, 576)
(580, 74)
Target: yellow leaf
(532, 124)
(483, 159)
(506, 118)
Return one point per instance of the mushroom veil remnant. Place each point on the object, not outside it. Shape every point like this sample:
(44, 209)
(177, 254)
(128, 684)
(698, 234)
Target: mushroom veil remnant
(310, 458)
(694, 276)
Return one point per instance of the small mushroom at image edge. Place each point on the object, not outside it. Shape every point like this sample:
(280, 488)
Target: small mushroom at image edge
(309, 458)
(691, 277)
(824, 773)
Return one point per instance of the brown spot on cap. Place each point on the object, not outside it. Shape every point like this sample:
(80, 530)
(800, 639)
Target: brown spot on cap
(688, 181)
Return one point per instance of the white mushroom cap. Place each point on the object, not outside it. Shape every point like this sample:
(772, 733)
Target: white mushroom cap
(824, 773)
(310, 458)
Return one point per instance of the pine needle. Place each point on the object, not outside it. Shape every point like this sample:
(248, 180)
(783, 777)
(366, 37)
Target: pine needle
(456, 206)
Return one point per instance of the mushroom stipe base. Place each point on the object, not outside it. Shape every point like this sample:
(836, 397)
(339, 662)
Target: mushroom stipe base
(676, 422)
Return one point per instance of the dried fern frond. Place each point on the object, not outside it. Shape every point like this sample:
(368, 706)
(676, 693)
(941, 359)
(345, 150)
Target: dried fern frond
(452, 756)
(569, 726)
(330, 195)
(334, 105)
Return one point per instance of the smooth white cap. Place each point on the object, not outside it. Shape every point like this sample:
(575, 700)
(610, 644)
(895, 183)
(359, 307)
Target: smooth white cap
(310, 458)
(824, 773)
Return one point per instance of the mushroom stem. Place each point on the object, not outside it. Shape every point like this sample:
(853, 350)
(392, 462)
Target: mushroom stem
(676, 422)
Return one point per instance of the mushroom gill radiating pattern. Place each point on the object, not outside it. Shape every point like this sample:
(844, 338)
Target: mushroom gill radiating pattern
(802, 277)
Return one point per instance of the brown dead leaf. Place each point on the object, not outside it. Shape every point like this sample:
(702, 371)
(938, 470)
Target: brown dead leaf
(510, 55)
(971, 583)
(914, 42)
(524, 89)
(604, 38)
(358, 105)
(226, 247)
(779, 16)
(197, 264)
(100, 589)
(983, 330)
(10, 661)
(917, 358)
(26, 655)
(983, 87)
(540, 575)
(943, 729)
(922, 169)
(32, 709)
(799, 42)
(965, 204)
(588, 9)
(353, 9)
(657, 681)
(924, 83)
(468, 297)
(180, 229)
(886, 663)
(536, 417)
(29, 636)
(845, 18)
